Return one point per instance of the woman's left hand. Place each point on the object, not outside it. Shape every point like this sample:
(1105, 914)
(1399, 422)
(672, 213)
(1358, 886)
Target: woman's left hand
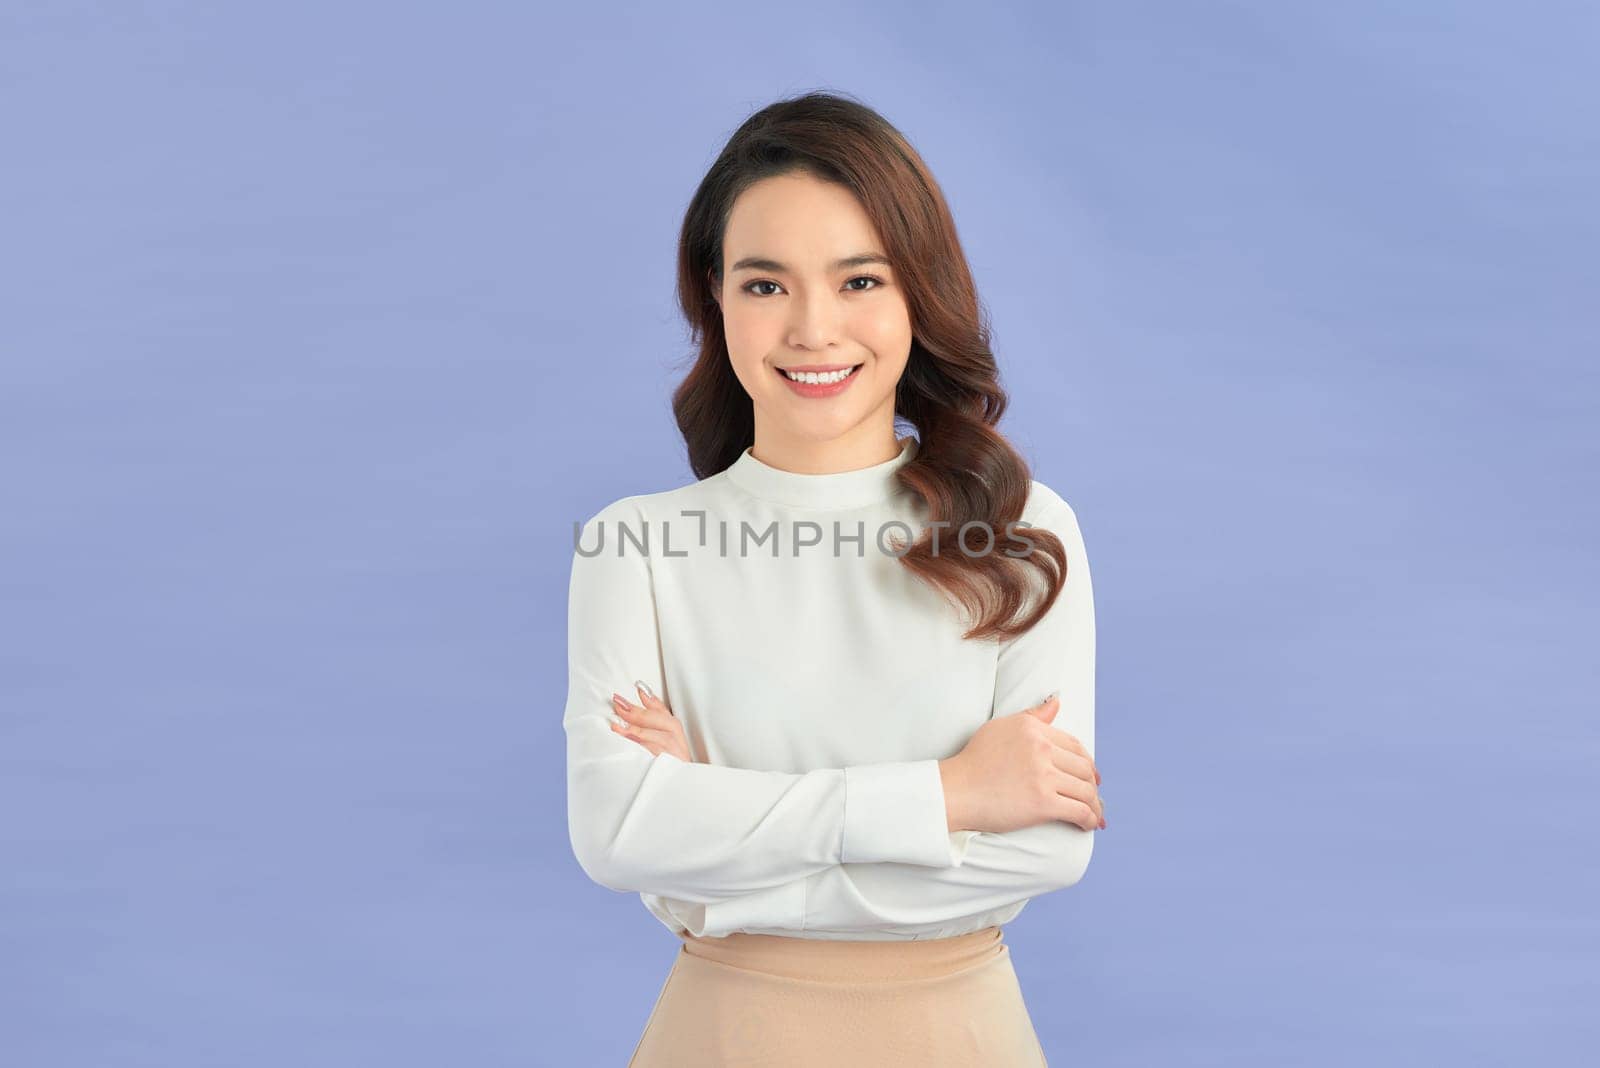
(652, 724)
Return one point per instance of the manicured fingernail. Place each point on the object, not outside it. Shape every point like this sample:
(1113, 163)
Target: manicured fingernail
(644, 687)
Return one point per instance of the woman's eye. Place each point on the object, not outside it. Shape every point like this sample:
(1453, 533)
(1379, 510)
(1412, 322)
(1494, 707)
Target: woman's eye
(749, 287)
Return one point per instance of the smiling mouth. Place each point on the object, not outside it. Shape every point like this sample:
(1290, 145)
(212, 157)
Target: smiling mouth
(824, 377)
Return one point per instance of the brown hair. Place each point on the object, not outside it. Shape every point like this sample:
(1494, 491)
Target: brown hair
(950, 391)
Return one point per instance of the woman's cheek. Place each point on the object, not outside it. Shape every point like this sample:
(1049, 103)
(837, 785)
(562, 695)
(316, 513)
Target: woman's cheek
(885, 330)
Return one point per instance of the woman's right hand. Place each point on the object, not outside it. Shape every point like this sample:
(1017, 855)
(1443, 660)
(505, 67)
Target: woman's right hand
(1018, 770)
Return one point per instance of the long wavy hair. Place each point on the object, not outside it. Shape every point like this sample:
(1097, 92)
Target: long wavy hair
(964, 470)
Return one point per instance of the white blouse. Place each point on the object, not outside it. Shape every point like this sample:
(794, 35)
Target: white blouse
(818, 683)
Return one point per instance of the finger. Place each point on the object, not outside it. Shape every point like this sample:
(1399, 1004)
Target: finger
(1071, 810)
(1067, 741)
(648, 696)
(650, 739)
(644, 726)
(1074, 764)
(1045, 709)
(1080, 803)
(649, 747)
(1079, 790)
(659, 742)
(645, 717)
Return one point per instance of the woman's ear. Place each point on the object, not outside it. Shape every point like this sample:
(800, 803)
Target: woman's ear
(716, 290)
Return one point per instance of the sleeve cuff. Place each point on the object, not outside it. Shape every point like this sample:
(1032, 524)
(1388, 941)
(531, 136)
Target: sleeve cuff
(895, 812)
(959, 841)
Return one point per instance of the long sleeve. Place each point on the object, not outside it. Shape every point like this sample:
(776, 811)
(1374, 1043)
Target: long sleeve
(701, 833)
(993, 869)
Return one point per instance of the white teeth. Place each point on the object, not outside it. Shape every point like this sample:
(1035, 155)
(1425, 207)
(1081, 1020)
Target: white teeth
(820, 379)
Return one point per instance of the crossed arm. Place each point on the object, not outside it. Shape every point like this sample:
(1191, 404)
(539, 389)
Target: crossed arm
(761, 849)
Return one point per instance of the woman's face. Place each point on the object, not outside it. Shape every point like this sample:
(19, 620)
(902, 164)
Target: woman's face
(805, 286)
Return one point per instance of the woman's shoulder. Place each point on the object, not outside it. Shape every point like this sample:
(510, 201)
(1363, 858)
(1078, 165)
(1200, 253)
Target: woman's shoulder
(651, 507)
(1046, 507)
(1050, 510)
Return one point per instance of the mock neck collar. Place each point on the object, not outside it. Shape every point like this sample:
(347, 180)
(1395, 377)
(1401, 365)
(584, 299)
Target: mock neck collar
(836, 489)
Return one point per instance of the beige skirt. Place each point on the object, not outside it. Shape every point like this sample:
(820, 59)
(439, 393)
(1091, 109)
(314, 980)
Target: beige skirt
(776, 1002)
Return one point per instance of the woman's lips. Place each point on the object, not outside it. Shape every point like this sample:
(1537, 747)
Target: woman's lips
(820, 389)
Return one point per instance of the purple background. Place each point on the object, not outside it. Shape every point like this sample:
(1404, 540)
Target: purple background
(320, 324)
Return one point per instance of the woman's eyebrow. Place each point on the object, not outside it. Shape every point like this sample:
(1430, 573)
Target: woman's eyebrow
(761, 263)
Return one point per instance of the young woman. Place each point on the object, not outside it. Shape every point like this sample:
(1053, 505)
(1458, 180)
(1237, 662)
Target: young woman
(831, 706)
